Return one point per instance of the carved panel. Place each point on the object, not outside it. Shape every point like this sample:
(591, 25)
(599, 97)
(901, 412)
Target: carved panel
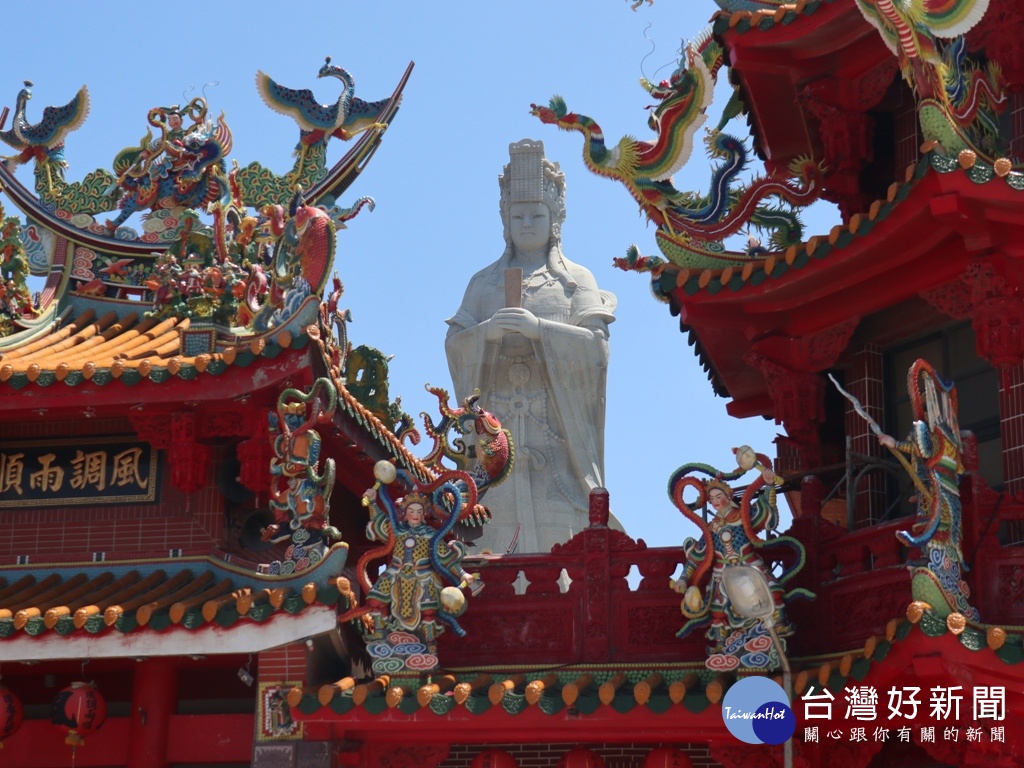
(862, 605)
(809, 353)
(798, 398)
(995, 307)
(273, 756)
(190, 460)
(591, 540)
(419, 756)
(999, 330)
(1008, 596)
(225, 422)
(155, 429)
(953, 299)
(652, 629)
(522, 626)
(255, 454)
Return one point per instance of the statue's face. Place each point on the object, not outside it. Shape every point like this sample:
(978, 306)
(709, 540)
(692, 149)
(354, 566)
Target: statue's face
(174, 121)
(719, 500)
(529, 226)
(414, 515)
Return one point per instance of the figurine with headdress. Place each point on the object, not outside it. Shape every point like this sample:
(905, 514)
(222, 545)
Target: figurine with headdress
(935, 450)
(419, 591)
(731, 539)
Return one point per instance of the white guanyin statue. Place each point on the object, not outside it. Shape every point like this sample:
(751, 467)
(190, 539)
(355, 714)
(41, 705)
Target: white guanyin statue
(532, 336)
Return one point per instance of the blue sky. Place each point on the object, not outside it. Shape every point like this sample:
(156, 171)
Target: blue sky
(405, 265)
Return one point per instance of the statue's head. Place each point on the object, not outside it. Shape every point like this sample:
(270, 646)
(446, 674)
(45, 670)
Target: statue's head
(532, 197)
(415, 507)
(294, 414)
(719, 495)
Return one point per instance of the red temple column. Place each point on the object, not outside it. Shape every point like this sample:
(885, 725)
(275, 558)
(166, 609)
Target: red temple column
(154, 699)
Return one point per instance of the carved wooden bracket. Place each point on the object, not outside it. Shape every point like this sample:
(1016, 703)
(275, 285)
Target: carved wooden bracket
(155, 429)
(998, 32)
(190, 459)
(798, 397)
(846, 131)
(996, 310)
(809, 353)
(255, 454)
(392, 756)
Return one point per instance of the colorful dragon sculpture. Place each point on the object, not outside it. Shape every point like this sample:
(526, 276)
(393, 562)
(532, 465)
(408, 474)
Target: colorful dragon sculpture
(488, 458)
(958, 101)
(300, 493)
(692, 227)
(183, 169)
(15, 298)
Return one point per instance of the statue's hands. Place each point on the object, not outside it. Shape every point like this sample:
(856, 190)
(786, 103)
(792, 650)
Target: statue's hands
(769, 475)
(369, 496)
(678, 585)
(513, 320)
(887, 440)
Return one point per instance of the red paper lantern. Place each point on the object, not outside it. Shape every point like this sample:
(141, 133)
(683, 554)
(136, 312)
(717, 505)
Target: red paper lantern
(80, 709)
(578, 757)
(667, 757)
(11, 714)
(494, 758)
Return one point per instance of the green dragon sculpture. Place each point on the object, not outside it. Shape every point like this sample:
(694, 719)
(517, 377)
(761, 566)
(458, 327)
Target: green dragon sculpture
(15, 298)
(692, 227)
(959, 101)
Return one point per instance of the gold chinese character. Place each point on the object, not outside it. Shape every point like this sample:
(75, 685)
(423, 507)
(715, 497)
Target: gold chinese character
(11, 469)
(126, 469)
(89, 469)
(48, 478)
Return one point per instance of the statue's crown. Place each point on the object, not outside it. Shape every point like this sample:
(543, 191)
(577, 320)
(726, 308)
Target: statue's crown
(529, 177)
(415, 497)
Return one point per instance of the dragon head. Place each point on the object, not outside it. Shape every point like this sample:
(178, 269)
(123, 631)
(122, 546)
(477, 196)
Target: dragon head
(690, 85)
(553, 113)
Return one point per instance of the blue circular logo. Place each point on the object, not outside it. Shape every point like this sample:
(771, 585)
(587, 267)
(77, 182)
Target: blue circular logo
(755, 711)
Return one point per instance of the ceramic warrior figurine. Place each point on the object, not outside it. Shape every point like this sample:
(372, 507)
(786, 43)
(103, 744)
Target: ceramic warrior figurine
(935, 451)
(731, 539)
(419, 591)
(532, 336)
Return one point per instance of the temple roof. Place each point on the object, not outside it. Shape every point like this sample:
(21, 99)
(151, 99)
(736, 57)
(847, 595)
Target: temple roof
(679, 693)
(98, 346)
(53, 612)
(763, 19)
(936, 207)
